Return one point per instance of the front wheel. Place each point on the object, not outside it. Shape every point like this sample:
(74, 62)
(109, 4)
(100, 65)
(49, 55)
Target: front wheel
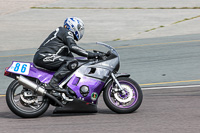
(123, 103)
(24, 102)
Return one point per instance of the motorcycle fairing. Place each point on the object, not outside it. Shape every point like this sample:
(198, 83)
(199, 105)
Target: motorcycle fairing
(94, 86)
(92, 76)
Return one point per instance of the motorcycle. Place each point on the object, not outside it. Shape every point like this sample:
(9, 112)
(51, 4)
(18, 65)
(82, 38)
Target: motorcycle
(26, 95)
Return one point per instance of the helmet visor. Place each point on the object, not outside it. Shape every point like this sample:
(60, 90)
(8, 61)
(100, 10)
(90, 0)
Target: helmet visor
(81, 31)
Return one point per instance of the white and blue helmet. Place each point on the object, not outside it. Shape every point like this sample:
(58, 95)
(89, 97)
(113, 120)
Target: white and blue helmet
(76, 26)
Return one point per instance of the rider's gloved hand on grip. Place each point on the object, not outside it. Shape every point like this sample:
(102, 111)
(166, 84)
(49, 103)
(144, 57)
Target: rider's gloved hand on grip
(94, 55)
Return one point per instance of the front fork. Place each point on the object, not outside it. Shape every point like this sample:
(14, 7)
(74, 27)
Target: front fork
(118, 84)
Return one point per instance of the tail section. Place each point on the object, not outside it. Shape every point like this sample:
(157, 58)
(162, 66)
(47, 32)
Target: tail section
(28, 69)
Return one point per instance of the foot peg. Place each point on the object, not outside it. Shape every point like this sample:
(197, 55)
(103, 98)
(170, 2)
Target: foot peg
(67, 98)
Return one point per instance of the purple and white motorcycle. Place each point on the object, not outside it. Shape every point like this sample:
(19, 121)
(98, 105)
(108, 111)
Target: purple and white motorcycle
(26, 95)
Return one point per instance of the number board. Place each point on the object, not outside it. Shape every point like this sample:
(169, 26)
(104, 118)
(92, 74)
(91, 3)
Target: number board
(20, 67)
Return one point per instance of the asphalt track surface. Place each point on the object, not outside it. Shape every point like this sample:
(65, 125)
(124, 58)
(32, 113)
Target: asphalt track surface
(155, 64)
(162, 111)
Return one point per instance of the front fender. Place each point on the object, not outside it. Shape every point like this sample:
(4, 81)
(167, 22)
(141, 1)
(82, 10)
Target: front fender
(122, 75)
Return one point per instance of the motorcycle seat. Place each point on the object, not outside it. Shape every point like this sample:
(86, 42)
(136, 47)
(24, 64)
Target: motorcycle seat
(41, 68)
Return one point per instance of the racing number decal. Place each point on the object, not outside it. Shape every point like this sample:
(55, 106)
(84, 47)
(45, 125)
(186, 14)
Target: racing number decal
(19, 67)
(23, 70)
(16, 67)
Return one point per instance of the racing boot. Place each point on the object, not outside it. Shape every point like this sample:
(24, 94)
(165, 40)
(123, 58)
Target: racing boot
(62, 72)
(57, 77)
(53, 85)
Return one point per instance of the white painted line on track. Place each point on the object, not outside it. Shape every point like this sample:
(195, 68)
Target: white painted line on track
(169, 87)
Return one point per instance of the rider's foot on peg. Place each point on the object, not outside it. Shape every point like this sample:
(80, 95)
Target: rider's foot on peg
(48, 87)
(58, 89)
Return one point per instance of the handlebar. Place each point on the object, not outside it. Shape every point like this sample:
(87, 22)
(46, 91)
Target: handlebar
(103, 56)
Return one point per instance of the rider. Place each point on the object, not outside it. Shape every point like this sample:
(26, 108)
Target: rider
(55, 53)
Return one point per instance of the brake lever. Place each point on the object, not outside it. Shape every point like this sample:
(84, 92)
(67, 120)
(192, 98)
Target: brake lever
(104, 57)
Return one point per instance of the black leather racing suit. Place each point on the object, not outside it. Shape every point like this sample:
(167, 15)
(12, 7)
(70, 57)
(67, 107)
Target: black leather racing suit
(57, 49)
(55, 53)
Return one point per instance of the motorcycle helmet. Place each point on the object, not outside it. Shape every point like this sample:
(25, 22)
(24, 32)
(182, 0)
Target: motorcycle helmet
(76, 26)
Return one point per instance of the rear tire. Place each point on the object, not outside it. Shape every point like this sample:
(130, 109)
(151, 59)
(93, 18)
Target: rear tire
(123, 103)
(25, 106)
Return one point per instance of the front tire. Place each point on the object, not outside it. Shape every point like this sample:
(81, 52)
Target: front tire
(24, 102)
(127, 103)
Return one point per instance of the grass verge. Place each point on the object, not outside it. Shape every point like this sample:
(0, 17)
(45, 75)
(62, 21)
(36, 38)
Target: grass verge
(186, 19)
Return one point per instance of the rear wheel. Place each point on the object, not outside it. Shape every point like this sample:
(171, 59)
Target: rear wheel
(24, 102)
(123, 103)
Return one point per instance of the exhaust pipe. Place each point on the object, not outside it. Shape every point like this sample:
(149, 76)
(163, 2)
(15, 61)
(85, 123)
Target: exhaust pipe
(34, 87)
(31, 85)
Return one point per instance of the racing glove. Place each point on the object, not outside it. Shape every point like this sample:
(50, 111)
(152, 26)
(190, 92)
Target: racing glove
(94, 55)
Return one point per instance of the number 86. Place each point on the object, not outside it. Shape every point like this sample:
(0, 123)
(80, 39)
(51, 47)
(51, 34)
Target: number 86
(23, 69)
